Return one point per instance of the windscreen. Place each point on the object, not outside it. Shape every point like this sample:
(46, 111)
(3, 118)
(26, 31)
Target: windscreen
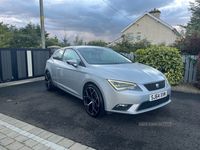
(102, 56)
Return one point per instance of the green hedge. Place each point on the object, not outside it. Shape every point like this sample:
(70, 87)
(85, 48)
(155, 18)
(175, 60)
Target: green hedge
(126, 47)
(165, 59)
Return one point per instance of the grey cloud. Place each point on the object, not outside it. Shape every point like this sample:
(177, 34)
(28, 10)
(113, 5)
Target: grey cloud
(176, 17)
(96, 18)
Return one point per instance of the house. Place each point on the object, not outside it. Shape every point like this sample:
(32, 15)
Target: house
(149, 26)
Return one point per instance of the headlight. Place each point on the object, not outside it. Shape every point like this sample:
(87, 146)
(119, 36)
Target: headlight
(120, 85)
(167, 81)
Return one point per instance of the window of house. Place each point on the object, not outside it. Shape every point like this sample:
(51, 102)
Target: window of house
(138, 36)
(129, 36)
(58, 55)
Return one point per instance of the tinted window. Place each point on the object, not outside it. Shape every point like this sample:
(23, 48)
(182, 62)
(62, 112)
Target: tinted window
(58, 55)
(71, 54)
(102, 56)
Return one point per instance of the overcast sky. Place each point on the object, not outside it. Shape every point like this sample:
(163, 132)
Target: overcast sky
(90, 19)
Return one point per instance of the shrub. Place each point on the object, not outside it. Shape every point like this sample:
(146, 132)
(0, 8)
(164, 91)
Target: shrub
(97, 43)
(141, 56)
(126, 47)
(161, 44)
(198, 73)
(165, 59)
(189, 44)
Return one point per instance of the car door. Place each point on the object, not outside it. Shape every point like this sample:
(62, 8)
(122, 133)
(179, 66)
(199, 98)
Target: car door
(57, 60)
(70, 78)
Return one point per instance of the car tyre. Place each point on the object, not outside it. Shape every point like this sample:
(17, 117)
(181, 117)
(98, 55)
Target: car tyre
(49, 82)
(93, 101)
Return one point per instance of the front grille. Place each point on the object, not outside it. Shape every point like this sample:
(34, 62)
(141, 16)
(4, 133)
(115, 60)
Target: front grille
(152, 86)
(149, 104)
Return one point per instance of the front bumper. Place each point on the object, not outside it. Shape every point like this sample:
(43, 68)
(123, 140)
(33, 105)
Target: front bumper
(137, 100)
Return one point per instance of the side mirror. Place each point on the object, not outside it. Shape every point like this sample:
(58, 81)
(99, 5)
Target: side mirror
(72, 62)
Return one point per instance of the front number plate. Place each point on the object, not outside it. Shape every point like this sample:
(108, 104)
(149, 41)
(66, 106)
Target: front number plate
(157, 96)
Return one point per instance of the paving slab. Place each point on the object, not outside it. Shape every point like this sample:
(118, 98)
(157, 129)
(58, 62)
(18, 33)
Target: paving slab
(22, 136)
(78, 146)
(6, 141)
(66, 143)
(16, 145)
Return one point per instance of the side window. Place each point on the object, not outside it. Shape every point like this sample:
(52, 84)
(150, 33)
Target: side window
(138, 36)
(129, 36)
(71, 54)
(58, 55)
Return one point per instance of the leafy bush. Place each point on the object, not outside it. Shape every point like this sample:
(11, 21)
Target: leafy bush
(198, 73)
(97, 43)
(141, 56)
(189, 44)
(165, 59)
(161, 44)
(126, 47)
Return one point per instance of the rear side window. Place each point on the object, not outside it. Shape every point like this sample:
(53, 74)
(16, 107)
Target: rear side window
(58, 55)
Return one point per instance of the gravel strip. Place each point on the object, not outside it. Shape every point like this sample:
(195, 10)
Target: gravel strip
(186, 87)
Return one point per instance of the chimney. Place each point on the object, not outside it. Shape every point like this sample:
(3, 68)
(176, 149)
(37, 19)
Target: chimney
(156, 13)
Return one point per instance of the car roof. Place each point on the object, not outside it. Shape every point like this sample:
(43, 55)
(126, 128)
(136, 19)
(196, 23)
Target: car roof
(84, 46)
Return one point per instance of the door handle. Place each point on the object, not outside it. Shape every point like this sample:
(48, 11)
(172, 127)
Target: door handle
(58, 68)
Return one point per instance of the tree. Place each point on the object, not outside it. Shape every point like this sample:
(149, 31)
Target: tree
(65, 41)
(53, 41)
(194, 23)
(97, 43)
(189, 43)
(24, 37)
(4, 35)
(78, 41)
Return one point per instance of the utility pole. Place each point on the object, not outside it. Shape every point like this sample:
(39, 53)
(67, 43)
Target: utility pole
(42, 24)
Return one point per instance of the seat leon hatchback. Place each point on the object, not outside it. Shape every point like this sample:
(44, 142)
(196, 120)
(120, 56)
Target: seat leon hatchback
(106, 81)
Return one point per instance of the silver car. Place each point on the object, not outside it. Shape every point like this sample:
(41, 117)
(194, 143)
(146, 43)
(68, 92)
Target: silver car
(106, 81)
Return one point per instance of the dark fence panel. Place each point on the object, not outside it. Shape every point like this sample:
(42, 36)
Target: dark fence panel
(39, 62)
(6, 65)
(21, 63)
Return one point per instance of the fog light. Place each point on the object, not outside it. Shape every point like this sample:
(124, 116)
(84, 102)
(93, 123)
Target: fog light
(122, 107)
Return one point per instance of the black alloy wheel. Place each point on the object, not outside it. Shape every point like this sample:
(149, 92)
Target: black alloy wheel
(48, 82)
(93, 101)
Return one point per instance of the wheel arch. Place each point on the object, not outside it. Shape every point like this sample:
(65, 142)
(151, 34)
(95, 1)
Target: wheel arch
(100, 89)
(47, 70)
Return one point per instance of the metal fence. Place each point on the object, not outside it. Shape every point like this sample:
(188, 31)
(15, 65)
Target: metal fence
(190, 67)
(21, 63)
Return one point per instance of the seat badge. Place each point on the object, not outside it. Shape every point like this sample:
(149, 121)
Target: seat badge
(157, 85)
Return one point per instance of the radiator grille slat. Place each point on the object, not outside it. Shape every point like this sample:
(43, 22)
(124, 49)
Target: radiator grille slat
(153, 86)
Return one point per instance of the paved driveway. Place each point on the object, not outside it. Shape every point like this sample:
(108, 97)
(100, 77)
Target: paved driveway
(63, 114)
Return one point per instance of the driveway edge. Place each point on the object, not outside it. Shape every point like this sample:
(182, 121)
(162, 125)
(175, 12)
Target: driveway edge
(185, 91)
(15, 134)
